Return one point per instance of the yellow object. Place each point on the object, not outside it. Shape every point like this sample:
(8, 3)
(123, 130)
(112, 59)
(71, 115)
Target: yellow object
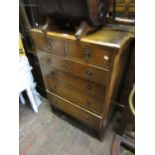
(131, 100)
(21, 47)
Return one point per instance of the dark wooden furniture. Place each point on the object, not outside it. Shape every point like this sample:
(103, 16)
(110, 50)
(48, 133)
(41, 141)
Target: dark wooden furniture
(87, 15)
(92, 11)
(82, 78)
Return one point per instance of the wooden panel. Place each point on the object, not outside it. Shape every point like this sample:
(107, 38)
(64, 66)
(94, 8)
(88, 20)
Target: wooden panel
(56, 46)
(102, 57)
(40, 41)
(76, 68)
(76, 111)
(124, 97)
(132, 58)
(81, 99)
(129, 79)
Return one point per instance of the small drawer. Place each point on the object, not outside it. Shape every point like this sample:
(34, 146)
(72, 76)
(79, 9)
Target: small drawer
(76, 111)
(43, 42)
(75, 96)
(56, 46)
(85, 71)
(99, 56)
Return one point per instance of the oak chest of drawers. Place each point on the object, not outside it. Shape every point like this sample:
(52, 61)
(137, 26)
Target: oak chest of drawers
(82, 77)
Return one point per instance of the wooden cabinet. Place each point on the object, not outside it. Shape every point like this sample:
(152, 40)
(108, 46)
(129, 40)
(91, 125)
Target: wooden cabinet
(82, 78)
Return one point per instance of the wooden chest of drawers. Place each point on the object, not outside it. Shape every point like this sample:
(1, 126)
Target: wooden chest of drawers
(82, 77)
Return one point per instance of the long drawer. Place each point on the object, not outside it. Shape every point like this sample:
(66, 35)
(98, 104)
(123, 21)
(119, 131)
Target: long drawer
(85, 87)
(76, 68)
(76, 111)
(81, 99)
(91, 54)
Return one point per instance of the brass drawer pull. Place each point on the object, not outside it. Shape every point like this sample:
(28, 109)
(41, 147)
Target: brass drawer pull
(49, 44)
(89, 73)
(86, 54)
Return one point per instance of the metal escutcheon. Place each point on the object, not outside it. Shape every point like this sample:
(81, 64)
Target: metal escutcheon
(89, 87)
(86, 54)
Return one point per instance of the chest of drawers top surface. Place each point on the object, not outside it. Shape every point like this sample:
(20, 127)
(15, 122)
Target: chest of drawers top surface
(106, 36)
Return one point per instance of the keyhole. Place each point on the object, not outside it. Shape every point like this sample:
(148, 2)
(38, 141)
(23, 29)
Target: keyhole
(49, 61)
(87, 118)
(52, 73)
(54, 87)
(88, 102)
(89, 87)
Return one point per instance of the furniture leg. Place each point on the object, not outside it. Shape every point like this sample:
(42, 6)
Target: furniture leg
(84, 28)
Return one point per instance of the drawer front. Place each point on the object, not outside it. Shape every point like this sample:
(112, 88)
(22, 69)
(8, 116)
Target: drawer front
(55, 46)
(76, 111)
(101, 57)
(82, 70)
(68, 93)
(95, 91)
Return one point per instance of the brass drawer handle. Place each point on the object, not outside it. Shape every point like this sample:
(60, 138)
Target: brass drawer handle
(86, 54)
(49, 44)
(89, 73)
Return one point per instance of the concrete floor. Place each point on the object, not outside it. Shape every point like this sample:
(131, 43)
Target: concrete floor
(48, 133)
